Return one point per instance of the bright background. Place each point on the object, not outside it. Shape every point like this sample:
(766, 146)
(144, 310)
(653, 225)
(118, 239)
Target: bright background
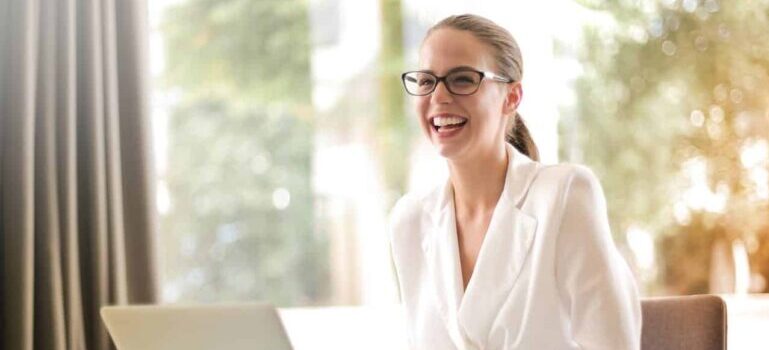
(284, 137)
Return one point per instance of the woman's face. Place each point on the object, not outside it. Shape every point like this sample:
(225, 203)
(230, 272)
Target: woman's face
(483, 113)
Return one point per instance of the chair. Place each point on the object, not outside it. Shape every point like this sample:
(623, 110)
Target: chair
(696, 322)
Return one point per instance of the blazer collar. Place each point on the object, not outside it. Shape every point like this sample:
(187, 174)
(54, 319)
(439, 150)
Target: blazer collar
(521, 171)
(469, 314)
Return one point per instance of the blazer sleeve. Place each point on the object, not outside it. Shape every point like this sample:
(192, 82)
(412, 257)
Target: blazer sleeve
(392, 221)
(403, 215)
(595, 285)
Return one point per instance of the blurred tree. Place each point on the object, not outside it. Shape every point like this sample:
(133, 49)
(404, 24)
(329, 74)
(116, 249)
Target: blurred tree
(256, 52)
(241, 220)
(392, 128)
(668, 85)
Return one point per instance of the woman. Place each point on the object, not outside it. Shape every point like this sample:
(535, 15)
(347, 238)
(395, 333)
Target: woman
(508, 253)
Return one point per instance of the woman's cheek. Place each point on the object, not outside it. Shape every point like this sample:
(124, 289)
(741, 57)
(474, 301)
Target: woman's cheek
(422, 106)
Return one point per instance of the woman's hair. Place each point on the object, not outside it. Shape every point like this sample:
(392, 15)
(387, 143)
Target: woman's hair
(509, 62)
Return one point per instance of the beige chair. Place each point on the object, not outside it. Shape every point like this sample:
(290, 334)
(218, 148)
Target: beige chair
(696, 322)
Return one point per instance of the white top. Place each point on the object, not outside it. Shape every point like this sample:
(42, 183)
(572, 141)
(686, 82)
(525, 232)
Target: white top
(548, 275)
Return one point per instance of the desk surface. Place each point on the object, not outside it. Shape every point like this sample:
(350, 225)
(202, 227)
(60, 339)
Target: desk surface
(747, 321)
(381, 327)
(359, 327)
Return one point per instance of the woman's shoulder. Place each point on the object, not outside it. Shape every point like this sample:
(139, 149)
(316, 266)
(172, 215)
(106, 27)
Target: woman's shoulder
(414, 203)
(566, 172)
(410, 212)
(566, 180)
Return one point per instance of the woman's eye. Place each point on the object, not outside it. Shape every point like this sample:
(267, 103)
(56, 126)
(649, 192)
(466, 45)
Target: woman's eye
(463, 79)
(425, 82)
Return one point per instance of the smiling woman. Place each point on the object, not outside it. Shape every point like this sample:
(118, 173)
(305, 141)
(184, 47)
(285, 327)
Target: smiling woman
(508, 253)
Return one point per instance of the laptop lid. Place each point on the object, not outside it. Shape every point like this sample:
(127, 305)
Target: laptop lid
(201, 327)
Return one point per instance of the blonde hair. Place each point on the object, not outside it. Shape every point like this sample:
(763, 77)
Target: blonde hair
(509, 62)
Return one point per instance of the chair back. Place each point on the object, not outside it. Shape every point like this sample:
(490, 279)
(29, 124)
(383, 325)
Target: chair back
(685, 322)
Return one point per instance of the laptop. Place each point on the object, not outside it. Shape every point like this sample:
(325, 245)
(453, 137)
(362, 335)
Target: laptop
(204, 327)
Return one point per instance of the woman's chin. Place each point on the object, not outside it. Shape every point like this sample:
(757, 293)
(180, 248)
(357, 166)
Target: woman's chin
(448, 151)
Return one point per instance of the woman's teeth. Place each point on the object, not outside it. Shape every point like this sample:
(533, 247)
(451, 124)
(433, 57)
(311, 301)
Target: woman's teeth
(445, 121)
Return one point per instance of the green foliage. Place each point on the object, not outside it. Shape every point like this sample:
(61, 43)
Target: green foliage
(240, 149)
(624, 123)
(224, 170)
(253, 50)
(670, 83)
(392, 128)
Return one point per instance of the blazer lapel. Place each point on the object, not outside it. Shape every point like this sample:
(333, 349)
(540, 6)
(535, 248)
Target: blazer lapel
(500, 261)
(469, 314)
(442, 257)
(503, 253)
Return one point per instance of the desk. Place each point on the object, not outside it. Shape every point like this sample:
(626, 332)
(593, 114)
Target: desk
(381, 327)
(359, 327)
(747, 321)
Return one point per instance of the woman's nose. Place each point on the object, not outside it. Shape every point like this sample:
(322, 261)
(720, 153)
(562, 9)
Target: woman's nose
(441, 94)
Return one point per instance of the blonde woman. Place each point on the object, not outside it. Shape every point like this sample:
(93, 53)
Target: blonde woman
(508, 253)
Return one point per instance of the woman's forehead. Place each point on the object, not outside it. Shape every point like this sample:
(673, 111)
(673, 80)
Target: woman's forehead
(445, 49)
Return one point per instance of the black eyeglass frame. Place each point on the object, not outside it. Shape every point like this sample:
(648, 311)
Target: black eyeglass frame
(482, 74)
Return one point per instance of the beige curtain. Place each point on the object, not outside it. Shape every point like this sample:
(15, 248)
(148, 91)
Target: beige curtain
(77, 219)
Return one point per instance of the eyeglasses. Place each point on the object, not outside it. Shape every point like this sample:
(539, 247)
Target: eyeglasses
(459, 82)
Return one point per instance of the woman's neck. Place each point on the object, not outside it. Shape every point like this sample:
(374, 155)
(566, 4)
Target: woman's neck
(478, 182)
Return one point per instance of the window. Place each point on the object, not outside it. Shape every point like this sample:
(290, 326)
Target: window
(277, 167)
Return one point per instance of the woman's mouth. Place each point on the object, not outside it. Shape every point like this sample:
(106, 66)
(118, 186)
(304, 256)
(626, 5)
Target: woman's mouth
(447, 125)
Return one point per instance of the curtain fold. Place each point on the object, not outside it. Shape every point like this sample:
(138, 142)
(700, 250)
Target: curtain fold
(77, 216)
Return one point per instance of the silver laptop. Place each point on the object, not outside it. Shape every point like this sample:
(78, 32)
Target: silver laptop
(204, 327)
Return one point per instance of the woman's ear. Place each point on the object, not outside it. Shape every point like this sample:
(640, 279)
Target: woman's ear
(513, 98)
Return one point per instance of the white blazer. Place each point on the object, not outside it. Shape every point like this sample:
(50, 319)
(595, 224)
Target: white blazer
(548, 275)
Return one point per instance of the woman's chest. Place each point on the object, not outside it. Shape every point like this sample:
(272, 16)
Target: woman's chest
(471, 232)
(530, 317)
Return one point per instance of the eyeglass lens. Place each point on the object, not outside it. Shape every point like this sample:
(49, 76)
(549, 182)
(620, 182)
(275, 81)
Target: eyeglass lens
(458, 83)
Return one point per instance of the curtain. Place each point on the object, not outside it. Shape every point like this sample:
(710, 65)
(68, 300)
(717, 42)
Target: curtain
(77, 216)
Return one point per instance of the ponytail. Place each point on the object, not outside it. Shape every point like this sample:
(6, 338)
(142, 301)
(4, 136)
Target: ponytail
(520, 138)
